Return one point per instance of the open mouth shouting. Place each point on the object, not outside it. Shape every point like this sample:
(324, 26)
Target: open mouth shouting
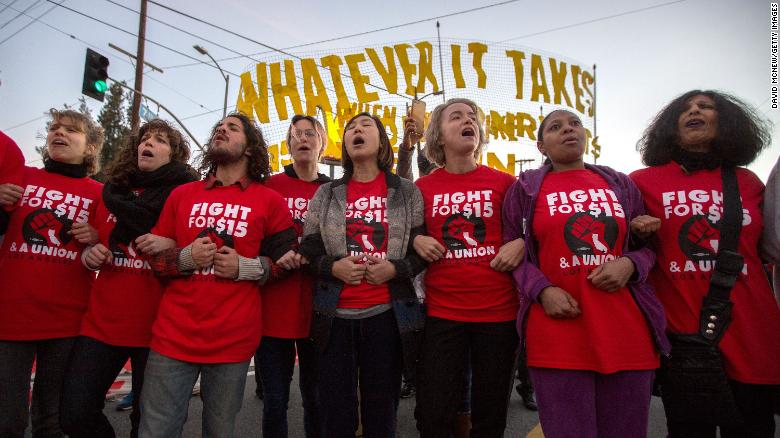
(147, 153)
(58, 142)
(468, 132)
(571, 140)
(694, 123)
(220, 137)
(358, 140)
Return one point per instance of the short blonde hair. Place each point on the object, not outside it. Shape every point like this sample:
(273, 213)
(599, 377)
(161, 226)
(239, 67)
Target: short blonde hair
(92, 130)
(317, 127)
(434, 150)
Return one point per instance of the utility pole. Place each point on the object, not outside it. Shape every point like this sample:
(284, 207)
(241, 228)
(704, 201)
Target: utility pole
(139, 69)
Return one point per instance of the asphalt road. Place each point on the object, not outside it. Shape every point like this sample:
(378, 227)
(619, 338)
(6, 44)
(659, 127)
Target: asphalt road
(521, 421)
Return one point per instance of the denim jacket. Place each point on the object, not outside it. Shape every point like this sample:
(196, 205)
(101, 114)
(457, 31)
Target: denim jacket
(518, 212)
(324, 242)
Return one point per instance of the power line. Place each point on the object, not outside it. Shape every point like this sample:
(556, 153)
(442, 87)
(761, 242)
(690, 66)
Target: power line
(240, 55)
(86, 43)
(20, 13)
(263, 44)
(367, 32)
(136, 36)
(30, 23)
(96, 48)
(7, 6)
(595, 20)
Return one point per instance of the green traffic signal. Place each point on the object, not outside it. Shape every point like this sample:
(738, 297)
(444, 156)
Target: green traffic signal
(95, 75)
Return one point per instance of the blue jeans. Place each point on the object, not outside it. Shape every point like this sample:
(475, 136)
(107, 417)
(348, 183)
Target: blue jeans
(166, 394)
(16, 360)
(92, 370)
(369, 351)
(275, 363)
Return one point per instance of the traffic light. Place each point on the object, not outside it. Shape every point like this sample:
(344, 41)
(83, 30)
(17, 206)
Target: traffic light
(95, 75)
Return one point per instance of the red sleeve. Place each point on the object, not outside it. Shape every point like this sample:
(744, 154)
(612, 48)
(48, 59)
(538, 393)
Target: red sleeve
(166, 223)
(11, 161)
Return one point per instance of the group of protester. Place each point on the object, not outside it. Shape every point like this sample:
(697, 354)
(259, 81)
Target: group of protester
(582, 270)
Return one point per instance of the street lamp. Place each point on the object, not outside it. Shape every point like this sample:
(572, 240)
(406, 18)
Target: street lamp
(203, 51)
(433, 93)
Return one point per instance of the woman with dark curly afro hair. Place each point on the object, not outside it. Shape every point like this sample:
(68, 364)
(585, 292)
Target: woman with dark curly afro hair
(695, 138)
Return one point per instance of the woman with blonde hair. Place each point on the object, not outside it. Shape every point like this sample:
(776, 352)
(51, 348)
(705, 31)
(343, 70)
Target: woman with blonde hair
(471, 301)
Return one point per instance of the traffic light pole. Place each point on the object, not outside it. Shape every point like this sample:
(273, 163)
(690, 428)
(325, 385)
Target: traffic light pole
(139, 69)
(140, 94)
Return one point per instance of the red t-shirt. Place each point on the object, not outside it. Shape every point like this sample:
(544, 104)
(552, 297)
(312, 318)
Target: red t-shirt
(577, 230)
(287, 303)
(124, 299)
(203, 318)
(45, 288)
(11, 163)
(366, 217)
(463, 212)
(690, 209)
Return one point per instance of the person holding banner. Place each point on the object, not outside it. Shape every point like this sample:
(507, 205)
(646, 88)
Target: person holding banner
(287, 303)
(583, 290)
(227, 229)
(471, 301)
(124, 298)
(692, 190)
(45, 289)
(367, 319)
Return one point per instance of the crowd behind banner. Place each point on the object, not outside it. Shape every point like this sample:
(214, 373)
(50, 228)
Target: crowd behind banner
(601, 288)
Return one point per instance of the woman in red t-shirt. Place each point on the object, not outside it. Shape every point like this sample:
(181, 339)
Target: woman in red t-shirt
(471, 301)
(287, 303)
(366, 320)
(45, 289)
(590, 321)
(686, 146)
(124, 298)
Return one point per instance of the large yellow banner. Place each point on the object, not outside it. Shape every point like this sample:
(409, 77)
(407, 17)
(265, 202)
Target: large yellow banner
(514, 86)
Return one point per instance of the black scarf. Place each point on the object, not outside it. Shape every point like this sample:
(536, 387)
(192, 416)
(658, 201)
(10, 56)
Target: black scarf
(137, 214)
(693, 161)
(65, 169)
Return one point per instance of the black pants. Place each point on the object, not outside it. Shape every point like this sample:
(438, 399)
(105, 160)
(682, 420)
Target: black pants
(91, 371)
(493, 349)
(756, 404)
(16, 361)
(365, 352)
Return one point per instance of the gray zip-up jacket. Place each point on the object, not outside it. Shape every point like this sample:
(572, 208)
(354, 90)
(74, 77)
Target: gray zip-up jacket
(324, 242)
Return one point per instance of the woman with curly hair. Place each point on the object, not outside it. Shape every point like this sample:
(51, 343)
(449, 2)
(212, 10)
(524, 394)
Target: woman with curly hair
(695, 139)
(45, 289)
(124, 298)
(225, 229)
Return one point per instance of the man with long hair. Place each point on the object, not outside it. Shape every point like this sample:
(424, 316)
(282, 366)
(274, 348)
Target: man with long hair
(227, 228)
